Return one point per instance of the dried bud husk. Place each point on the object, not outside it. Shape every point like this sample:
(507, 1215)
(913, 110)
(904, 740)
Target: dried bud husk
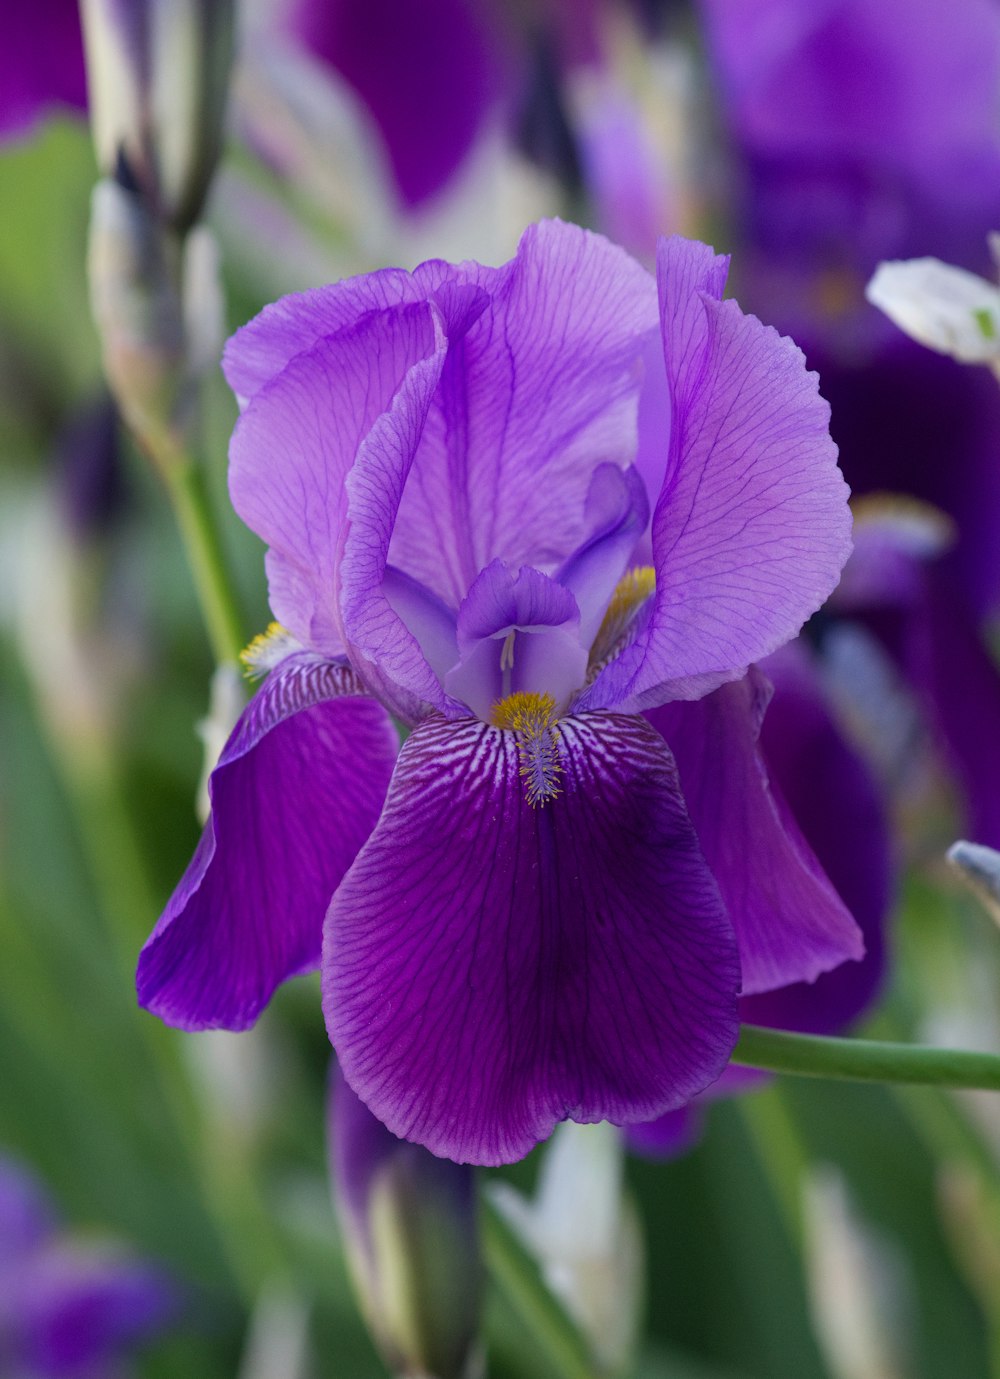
(410, 1232)
(158, 308)
(157, 76)
(134, 274)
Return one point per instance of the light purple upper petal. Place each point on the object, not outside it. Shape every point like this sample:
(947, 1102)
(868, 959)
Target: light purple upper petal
(526, 621)
(789, 921)
(616, 513)
(433, 437)
(260, 350)
(356, 402)
(492, 968)
(296, 792)
(542, 390)
(751, 526)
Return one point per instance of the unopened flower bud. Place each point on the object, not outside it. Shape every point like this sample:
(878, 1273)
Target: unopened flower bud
(135, 272)
(593, 1259)
(157, 78)
(858, 1290)
(411, 1239)
(979, 868)
(943, 307)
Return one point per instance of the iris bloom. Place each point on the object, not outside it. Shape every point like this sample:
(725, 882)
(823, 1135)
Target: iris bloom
(67, 1311)
(454, 471)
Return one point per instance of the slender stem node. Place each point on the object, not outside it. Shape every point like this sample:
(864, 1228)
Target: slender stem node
(207, 559)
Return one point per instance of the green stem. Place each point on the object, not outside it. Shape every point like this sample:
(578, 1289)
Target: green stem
(783, 1158)
(206, 556)
(125, 897)
(518, 1276)
(865, 1060)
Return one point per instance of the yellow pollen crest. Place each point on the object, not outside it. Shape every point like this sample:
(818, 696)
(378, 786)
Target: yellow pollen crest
(266, 649)
(634, 587)
(631, 592)
(532, 718)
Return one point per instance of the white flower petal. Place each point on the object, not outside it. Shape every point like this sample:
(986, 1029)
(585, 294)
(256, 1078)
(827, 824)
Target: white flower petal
(943, 307)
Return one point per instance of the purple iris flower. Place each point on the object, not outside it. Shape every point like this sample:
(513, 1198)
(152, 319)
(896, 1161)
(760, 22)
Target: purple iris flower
(67, 1311)
(41, 64)
(863, 132)
(525, 926)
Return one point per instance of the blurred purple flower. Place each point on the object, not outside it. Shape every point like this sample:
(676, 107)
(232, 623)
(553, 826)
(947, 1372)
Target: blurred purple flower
(428, 75)
(900, 588)
(865, 132)
(524, 927)
(67, 1310)
(41, 64)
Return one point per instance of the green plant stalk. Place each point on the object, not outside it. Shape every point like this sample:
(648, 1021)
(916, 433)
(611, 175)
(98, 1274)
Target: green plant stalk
(515, 1272)
(124, 894)
(206, 557)
(865, 1060)
(781, 1154)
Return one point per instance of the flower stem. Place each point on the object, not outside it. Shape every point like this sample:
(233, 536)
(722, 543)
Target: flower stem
(206, 557)
(783, 1158)
(517, 1275)
(865, 1060)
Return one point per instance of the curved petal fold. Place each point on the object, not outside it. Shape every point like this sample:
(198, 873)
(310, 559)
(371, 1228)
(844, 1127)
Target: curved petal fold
(751, 526)
(354, 402)
(543, 388)
(492, 968)
(616, 514)
(259, 351)
(297, 790)
(790, 923)
(839, 807)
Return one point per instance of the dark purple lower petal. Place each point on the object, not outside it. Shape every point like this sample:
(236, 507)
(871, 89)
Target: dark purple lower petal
(295, 794)
(789, 920)
(491, 968)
